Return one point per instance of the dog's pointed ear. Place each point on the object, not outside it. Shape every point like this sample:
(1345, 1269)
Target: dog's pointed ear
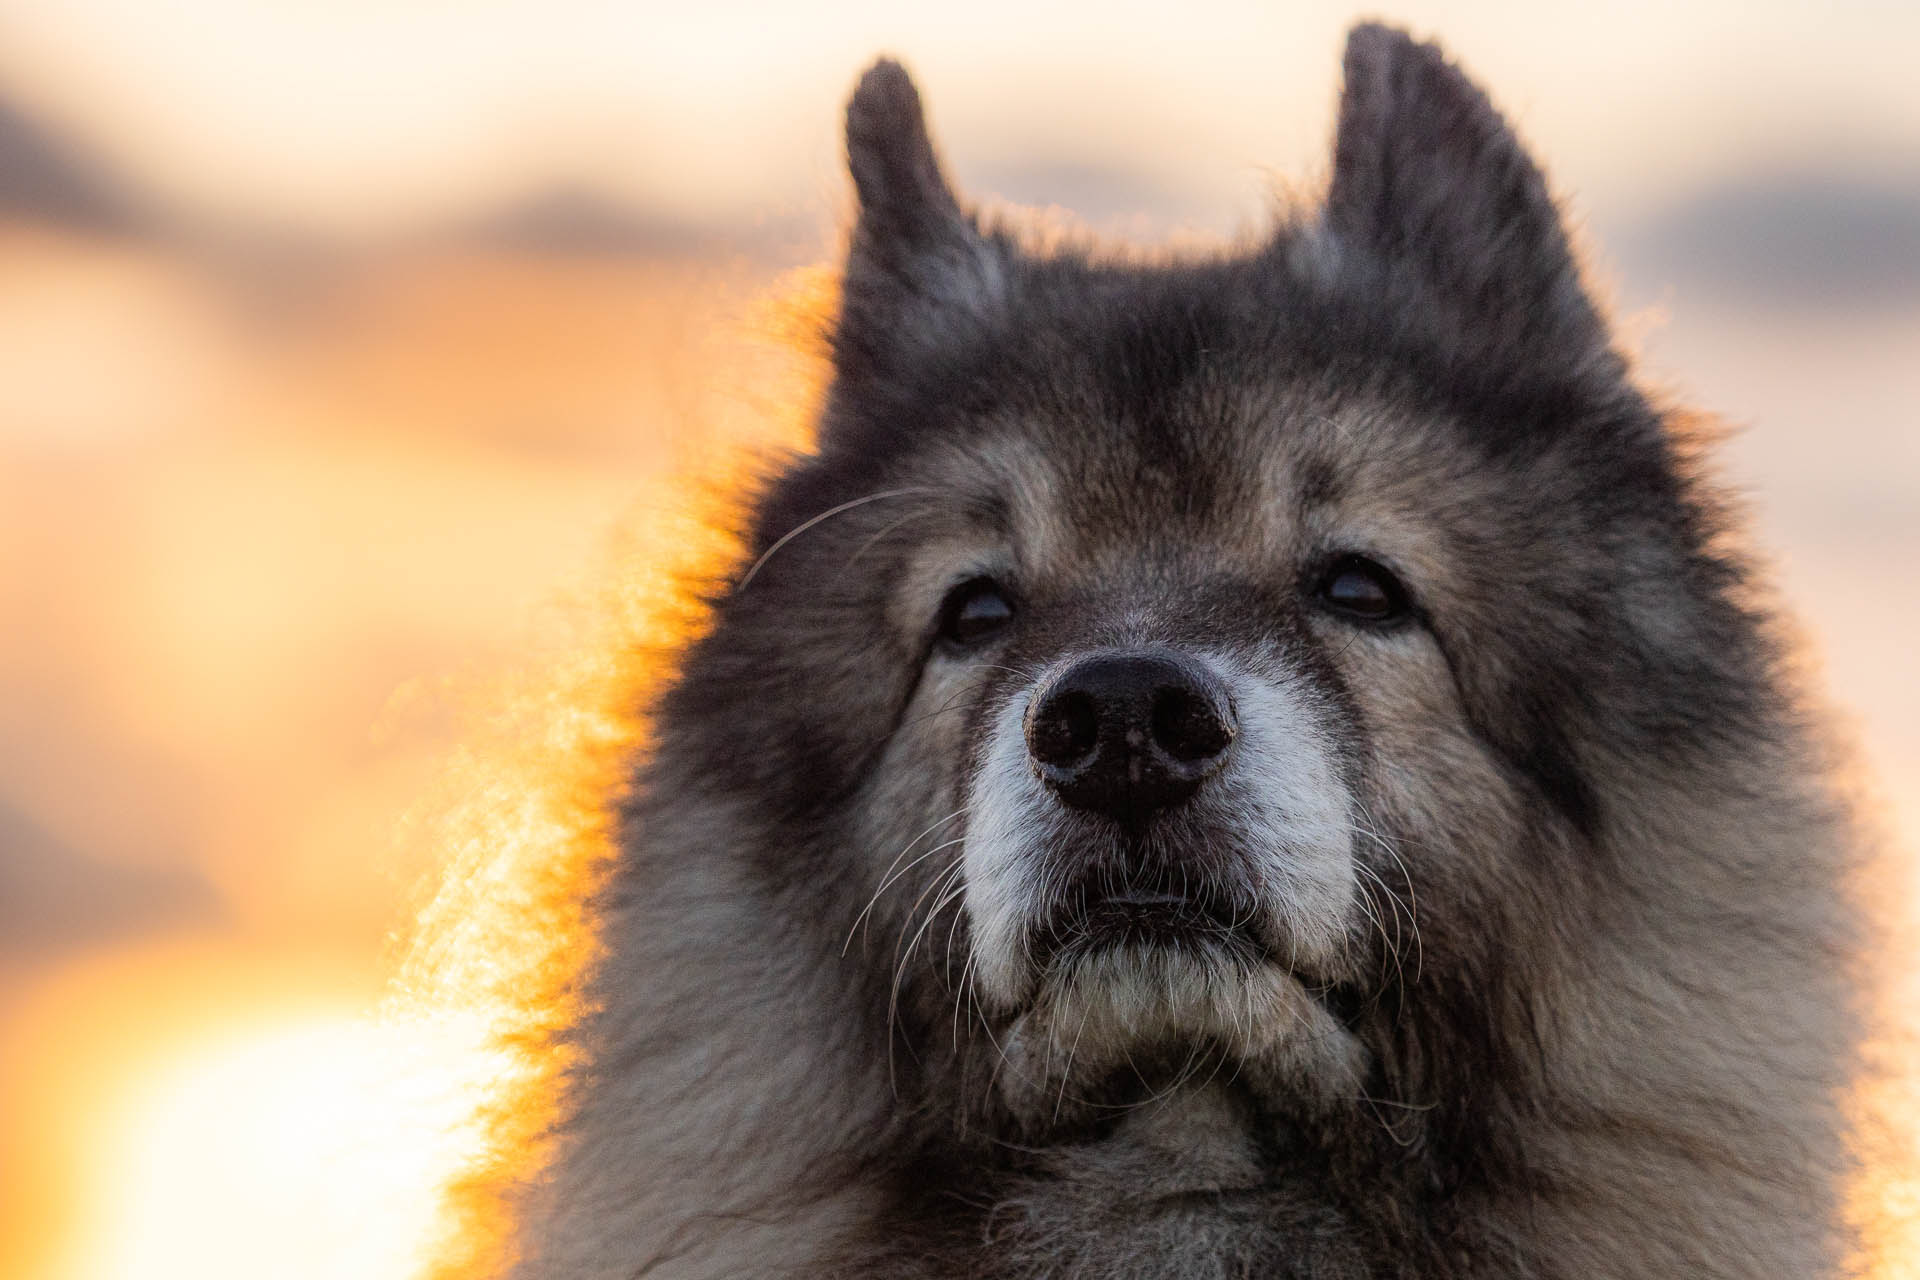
(1427, 175)
(918, 270)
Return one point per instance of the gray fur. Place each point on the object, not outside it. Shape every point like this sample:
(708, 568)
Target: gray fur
(1558, 990)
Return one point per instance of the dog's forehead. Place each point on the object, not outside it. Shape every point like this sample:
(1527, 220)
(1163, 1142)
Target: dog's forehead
(1222, 479)
(1219, 418)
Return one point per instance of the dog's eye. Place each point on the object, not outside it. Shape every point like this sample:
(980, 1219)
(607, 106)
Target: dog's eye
(1360, 589)
(974, 612)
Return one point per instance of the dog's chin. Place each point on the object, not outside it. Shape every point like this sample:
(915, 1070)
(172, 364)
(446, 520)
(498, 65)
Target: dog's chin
(1131, 1011)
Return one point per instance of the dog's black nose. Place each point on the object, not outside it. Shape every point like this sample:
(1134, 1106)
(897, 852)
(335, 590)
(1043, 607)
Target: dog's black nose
(1128, 733)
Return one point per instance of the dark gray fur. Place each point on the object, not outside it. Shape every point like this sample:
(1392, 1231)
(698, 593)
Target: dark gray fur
(1616, 1049)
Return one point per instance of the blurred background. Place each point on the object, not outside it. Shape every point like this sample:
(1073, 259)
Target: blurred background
(336, 338)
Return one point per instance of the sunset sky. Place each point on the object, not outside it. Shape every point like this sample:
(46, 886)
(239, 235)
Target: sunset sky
(337, 339)
(366, 115)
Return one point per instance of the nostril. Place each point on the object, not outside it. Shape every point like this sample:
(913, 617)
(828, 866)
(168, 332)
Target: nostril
(1188, 725)
(1067, 728)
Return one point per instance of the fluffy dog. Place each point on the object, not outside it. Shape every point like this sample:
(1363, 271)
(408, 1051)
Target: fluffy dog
(1255, 766)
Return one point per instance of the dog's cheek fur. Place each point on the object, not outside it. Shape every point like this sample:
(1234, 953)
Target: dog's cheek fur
(1573, 586)
(907, 826)
(1626, 648)
(805, 671)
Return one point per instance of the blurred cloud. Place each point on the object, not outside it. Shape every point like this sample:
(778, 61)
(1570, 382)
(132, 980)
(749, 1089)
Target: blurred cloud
(575, 219)
(45, 178)
(1789, 238)
(1105, 197)
(570, 219)
(55, 899)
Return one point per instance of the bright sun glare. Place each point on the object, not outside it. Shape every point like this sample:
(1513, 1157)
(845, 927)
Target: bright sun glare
(315, 1149)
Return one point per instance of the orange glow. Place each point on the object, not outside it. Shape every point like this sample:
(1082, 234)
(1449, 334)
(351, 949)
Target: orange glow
(1884, 1199)
(375, 1145)
(507, 938)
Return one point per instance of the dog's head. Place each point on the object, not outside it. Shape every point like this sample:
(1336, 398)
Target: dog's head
(1184, 661)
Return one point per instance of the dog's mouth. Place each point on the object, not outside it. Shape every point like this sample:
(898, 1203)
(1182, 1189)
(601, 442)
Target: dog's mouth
(1142, 981)
(1166, 910)
(1102, 923)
